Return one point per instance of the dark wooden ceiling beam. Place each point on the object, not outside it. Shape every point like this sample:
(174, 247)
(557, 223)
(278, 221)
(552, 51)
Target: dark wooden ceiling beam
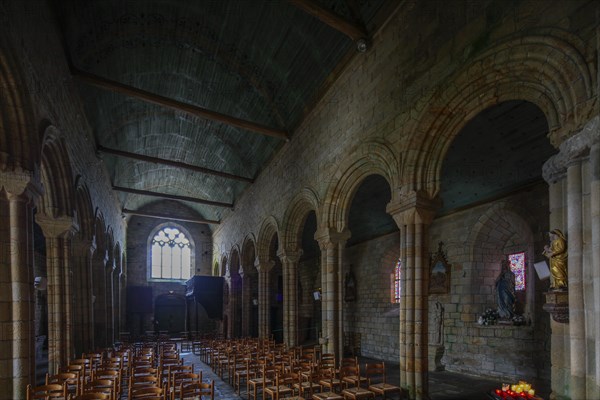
(172, 163)
(173, 197)
(163, 101)
(352, 30)
(170, 217)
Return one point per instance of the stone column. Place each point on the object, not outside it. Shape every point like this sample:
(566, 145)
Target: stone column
(83, 325)
(413, 213)
(264, 268)
(595, 224)
(569, 173)
(576, 303)
(17, 322)
(290, 260)
(331, 243)
(58, 232)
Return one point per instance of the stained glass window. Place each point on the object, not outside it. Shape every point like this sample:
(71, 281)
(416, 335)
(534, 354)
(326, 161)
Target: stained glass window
(171, 255)
(517, 266)
(396, 282)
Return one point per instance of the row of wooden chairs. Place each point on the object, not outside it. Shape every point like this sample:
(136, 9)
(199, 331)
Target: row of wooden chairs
(278, 373)
(150, 371)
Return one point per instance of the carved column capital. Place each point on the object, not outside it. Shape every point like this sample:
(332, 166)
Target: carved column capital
(56, 227)
(289, 256)
(572, 150)
(21, 182)
(263, 265)
(329, 237)
(413, 207)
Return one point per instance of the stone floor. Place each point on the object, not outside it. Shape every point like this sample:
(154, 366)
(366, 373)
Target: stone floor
(442, 385)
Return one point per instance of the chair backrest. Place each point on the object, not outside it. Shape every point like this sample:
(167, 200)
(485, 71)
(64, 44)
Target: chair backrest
(51, 391)
(375, 372)
(147, 393)
(91, 396)
(197, 390)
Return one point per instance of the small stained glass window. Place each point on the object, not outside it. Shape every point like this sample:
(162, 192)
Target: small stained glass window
(396, 282)
(517, 266)
(171, 255)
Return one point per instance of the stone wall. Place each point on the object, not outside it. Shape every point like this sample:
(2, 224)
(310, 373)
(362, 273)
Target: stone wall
(475, 241)
(138, 232)
(372, 315)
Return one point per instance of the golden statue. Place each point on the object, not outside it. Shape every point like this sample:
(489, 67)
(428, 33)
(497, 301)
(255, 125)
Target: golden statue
(557, 255)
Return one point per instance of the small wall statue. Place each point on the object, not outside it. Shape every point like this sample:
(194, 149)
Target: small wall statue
(505, 292)
(557, 254)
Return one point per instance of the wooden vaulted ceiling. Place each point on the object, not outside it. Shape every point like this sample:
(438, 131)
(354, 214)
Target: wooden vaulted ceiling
(189, 100)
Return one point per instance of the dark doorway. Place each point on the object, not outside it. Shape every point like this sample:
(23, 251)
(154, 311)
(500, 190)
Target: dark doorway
(169, 311)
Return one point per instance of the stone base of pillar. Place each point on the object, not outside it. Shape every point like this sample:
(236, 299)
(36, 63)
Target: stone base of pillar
(436, 352)
(557, 304)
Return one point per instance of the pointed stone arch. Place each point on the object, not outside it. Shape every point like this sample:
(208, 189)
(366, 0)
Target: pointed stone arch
(84, 210)
(295, 216)
(370, 158)
(547, 69)
(248, 254)
(58, 199)
(18, 142)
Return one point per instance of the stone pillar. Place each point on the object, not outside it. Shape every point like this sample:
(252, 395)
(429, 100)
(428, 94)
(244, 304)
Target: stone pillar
(264, 268)
(570, 174)
(83, 326)
(331, 243)
(58, 232)
(290, 260)
(595, 224)
(576, 303)
(17, 322)
(413, 213)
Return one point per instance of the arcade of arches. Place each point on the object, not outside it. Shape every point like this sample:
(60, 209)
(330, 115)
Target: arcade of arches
(476, 147)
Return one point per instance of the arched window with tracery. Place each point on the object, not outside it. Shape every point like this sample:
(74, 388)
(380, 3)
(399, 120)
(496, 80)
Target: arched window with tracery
(171, 252)
(396, 275)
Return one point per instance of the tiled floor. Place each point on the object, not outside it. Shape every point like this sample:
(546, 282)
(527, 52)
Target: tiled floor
(442, 385)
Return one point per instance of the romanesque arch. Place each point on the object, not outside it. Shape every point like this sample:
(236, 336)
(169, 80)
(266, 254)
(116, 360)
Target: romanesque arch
(268, 229)
(295, 216)
(547, 69)
(373, 157)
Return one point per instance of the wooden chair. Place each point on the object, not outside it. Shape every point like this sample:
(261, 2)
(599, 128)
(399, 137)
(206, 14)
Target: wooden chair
(309, 381)
(242, 375)
(351, 377)
(182, 379)
(69, 379)
(51, 391)
(196, 391)
(142, 381)
(375, 373)
(101, 386)
(329, 380)
(284, 386)
(267, 375)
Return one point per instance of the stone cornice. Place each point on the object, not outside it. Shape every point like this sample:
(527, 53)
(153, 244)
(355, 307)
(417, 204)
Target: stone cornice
(572, 150)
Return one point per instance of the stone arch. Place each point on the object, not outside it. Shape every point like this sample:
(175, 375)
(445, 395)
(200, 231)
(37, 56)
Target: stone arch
(268, 229)
(295, 216)
(248, 253)
(235, 254)
(56, 176)
(84, 210)
(18, 142)
(546, 69)
(373, 157)
(503, 224)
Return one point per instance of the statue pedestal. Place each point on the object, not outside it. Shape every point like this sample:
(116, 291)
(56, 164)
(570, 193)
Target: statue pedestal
(557, 304)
